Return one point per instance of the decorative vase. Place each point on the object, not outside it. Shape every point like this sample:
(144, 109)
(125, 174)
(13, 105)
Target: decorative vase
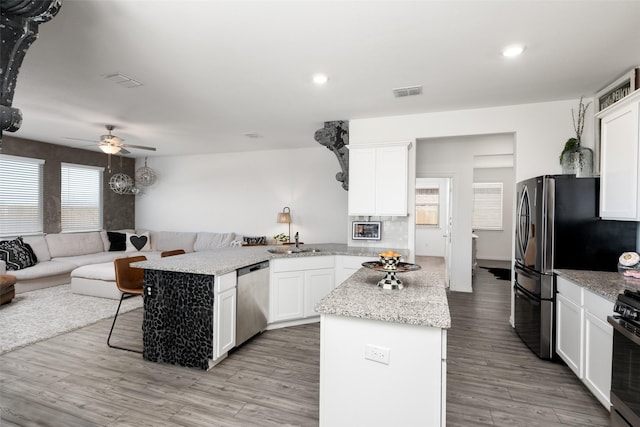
(578, 161)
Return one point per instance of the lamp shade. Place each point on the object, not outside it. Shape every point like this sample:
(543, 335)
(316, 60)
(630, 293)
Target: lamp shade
(284, 217)
(110, 149)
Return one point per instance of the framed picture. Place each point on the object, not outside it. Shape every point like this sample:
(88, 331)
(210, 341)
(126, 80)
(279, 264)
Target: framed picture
(366, 230)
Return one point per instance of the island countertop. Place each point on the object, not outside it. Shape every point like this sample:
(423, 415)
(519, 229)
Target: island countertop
(225, 260)
(604, 283)
(422, 301)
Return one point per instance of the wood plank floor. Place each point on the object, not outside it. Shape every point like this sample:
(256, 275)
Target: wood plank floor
(76, 380)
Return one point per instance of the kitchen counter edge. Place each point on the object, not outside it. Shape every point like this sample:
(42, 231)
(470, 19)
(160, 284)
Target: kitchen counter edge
(607, 284)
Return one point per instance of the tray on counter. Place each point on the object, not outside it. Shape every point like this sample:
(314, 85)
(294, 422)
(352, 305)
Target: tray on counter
(401, 267)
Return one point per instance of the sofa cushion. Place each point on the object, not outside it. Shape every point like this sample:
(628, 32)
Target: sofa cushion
(208, 241)
(39, 246)
(138, 242)
(71, 244)
(170, 240)
(79, 260)
(17, 254)
(102, 271)
(43, 269)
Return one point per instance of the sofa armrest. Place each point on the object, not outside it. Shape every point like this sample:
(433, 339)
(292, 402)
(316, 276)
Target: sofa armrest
(3, 267)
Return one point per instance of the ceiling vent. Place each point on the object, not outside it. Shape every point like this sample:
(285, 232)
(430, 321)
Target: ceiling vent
(407, 91)
(122, 80)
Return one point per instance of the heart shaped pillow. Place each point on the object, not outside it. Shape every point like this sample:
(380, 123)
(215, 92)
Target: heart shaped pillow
(138, 242)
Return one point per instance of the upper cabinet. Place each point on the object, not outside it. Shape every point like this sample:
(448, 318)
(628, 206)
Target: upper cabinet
(620, 159)
(378, 176)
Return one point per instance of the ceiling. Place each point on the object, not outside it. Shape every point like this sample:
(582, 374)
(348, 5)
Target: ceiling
(215, 71)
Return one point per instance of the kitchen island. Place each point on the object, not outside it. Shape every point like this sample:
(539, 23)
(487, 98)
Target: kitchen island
(383, 352)
(189, 300)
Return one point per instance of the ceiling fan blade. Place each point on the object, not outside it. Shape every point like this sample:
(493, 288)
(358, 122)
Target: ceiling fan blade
(80, 139)
(142, 147)
(124, 151)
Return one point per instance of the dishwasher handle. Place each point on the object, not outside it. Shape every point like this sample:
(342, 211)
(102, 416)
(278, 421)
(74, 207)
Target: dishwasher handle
(252, 268)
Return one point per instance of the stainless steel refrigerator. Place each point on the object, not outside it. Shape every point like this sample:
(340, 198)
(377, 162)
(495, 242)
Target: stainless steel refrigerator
(557, 226)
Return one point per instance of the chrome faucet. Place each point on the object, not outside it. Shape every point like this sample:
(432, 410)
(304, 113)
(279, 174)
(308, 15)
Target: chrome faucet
(297, 242)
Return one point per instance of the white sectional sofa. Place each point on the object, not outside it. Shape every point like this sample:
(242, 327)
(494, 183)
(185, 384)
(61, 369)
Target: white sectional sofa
(85, 261)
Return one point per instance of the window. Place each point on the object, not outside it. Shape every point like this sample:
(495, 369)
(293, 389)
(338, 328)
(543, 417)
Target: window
(487, 206)
(427, 205)
(20, 195)
(80, 198)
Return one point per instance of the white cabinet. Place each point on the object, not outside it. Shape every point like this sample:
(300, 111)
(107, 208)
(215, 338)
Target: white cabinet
(297, 284)
(620, 159)
(584, 339)
(378, 176)
(569, 333)
(346, 265)
(224, 314)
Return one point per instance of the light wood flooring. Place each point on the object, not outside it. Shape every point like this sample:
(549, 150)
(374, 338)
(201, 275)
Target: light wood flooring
(76, 380)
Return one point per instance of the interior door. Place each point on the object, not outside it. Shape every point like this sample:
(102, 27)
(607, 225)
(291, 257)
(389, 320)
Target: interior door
(447, 230)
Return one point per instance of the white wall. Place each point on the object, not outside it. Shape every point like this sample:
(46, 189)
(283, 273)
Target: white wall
(540, 133)
(430, 240)
(243, 192)
(497, 244)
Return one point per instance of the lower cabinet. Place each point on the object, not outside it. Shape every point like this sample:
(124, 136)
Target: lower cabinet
(584, 339)
(297, 284)
(224, 314)
(346, 265)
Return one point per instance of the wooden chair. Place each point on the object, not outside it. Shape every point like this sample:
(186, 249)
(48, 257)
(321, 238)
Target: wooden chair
(172, 253)
(130, 282)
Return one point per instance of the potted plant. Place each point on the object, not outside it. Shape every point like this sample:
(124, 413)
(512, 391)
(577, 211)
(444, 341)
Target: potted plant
(576, 159)
(281, 238)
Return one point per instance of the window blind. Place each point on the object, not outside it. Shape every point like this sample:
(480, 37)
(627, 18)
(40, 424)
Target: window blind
(80, 198)
(427, 206)
(487, 205)
(20, 195)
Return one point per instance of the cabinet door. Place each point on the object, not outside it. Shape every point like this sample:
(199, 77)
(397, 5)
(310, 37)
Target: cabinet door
(619, 163)
(317, 284)
(391, 180)
(569, 333)
(598, 341)
(286, 298)
(362, 181)
(225, 322)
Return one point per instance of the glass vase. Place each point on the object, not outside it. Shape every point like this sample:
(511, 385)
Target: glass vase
(578, 161)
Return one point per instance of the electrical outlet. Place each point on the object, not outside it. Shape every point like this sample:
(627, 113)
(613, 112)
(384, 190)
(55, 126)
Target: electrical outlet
(377, 353)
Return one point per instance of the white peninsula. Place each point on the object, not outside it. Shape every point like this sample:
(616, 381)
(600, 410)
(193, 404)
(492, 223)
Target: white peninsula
(383, 352)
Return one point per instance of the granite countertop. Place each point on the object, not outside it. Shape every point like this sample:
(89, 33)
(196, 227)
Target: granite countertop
(225, 260)
(604, 283)
(422, 301)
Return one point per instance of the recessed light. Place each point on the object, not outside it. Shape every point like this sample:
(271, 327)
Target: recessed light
(512, 51)
(320, 79)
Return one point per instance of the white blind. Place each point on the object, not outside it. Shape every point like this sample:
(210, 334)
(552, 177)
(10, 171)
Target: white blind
(20, 195)
(487, 205)
(80, 197)
(427, 205)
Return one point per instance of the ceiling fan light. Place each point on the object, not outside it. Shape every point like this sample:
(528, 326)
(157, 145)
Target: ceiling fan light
(110, 149)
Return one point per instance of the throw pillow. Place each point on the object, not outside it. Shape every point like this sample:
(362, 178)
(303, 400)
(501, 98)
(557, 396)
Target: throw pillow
(138, 242)
(117, 241)
(16, 254)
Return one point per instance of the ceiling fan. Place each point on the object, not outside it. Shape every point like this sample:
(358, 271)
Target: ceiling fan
(111, 144)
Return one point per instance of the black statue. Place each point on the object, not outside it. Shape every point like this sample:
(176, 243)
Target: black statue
(335, 136)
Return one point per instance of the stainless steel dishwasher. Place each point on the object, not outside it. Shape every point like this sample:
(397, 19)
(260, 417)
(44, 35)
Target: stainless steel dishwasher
(253, 301)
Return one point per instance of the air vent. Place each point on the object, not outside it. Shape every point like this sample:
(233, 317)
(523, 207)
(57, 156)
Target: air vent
(407, 91)
(122, 80)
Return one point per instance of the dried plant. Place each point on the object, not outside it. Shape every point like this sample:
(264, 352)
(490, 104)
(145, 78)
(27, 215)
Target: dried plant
(578, 123)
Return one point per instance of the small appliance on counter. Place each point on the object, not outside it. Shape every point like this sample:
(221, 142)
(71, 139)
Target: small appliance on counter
(625, 368)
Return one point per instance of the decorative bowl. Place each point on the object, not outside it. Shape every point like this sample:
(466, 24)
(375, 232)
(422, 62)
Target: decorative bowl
(389, 260)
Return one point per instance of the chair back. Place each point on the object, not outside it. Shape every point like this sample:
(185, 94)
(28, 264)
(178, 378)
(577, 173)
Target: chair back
(128, 279)
(172, 253)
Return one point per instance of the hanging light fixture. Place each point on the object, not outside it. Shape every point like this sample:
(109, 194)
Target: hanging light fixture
(145, 176)
(121, 183)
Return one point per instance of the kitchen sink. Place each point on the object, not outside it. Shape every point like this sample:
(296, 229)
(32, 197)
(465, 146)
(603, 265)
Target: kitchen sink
(292, 251)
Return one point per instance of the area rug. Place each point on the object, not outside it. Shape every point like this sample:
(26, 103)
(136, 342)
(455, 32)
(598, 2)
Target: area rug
(38, 315)
(500, 273)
